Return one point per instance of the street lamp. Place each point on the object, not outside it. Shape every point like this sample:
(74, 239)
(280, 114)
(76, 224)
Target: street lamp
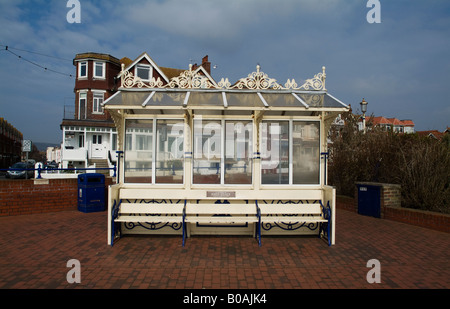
(363, 104)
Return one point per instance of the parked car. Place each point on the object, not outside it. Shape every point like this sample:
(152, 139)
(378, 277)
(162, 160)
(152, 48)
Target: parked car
(52, 165)
(20, 170)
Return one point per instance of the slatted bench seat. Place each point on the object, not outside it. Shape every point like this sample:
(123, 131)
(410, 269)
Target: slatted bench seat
(227, 213)
(241, 208)
(292, 213)
(151, 213)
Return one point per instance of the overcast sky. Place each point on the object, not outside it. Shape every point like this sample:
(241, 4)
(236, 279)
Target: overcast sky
(401, 66)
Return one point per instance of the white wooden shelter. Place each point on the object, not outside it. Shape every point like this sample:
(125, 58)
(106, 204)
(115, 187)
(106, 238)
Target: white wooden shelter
(201, 157)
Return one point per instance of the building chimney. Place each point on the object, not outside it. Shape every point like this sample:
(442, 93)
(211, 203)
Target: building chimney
(206, 64)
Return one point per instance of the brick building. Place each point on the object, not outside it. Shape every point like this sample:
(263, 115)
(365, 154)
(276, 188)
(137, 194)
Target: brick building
(89, 133)
(10, 144)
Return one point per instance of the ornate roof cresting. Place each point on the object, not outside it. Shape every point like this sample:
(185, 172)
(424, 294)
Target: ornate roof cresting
(190, 79)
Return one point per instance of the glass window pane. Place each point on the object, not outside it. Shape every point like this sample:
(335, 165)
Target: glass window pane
(207, 151)
(281, 100)
(143, 72)
(205, 99)
(83, 69)
(274, 148)
(238, 152)
(138, 154)
(98, 69)
(166, 99)
(244, 100)
(306, 152)
(169, 151)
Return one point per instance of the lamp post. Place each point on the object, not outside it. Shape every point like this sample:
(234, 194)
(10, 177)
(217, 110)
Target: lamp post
(363, 104)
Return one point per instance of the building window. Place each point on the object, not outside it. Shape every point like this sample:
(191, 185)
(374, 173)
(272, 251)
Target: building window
(82, 69)
(97, 103)
(99, 69)
(143, 71)
(82, 105)
(80, 141)
(97, 139)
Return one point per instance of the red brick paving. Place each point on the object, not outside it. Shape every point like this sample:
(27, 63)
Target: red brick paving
(35, 249)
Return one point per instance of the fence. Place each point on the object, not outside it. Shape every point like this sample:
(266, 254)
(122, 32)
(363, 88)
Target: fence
(39, 171)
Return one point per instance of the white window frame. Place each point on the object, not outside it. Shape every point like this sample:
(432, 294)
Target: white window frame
(82, 96)
(144, 66)
(223, 121)
(133, 147)
(103, 64)
(80, 64)
(291, 151)
(97, 106)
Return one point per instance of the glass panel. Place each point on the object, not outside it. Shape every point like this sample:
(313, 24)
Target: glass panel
(319, 100)
(169, 151)
(98, 69)
(166, 99)
(131, 98)
(143, 72)
(238, 152)
(83, 69)
(138, 154)
(306, 152)
(207, 151)
(244, 99)
(281, 100)
(205, 99)
(274, 137)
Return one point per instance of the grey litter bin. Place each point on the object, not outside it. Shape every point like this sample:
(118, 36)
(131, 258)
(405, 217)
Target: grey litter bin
(369, 200)
(91, 192)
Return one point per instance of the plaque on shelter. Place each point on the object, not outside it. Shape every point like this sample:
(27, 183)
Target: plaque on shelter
(221, 194)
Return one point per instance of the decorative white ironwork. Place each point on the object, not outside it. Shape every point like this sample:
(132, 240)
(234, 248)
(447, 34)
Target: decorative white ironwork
(130, 81)
(190, 79)
(258, 80)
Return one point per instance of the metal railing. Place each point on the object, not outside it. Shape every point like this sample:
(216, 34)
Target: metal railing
(45, 170)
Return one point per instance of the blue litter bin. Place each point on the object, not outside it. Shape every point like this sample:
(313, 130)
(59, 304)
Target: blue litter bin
(91, 192)
(369, 200)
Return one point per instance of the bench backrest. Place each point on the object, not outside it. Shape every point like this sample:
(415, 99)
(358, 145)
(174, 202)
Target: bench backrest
(216, 194)
(151, 208)
(285, 209)
(234, 208)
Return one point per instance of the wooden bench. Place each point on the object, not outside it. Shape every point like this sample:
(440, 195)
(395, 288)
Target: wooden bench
(294, 213)
(153, 212)
(201, 207)
(216, 212)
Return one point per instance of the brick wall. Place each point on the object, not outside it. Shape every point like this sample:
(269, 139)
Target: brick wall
(391, 210)
(29, 196)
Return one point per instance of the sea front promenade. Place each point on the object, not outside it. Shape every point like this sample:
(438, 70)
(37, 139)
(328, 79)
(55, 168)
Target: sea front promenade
(36, 249)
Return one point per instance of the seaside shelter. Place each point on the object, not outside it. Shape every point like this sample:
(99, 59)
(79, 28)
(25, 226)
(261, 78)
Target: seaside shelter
(200, 157)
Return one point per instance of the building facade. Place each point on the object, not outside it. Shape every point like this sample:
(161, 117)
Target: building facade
(88, 132)
(10, 144)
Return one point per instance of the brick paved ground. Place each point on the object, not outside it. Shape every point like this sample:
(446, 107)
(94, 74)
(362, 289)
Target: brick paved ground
(35, 250)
